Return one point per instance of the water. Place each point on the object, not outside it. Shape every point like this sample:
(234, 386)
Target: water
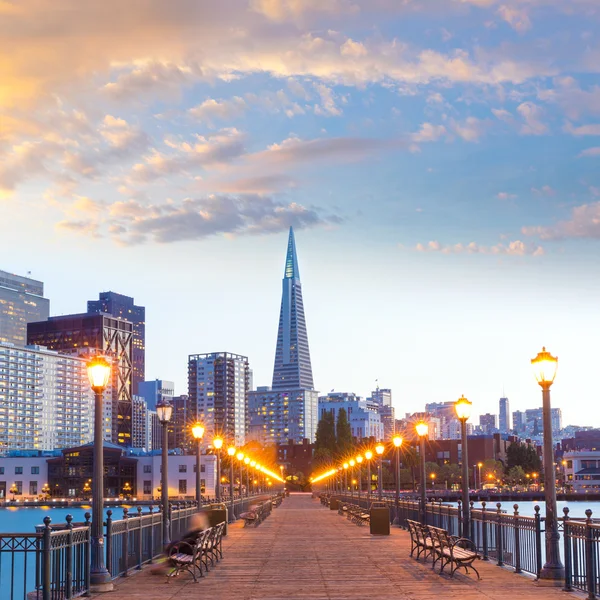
(526, 509)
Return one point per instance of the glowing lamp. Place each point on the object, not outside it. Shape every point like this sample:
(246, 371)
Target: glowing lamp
(422, 428)
(397, 439)
(345, 465)
(164, 410)
(231, 450)
(240, 456)
(247, 460)
(198, 431)
(368, 455)
(379, 449)
(98, 369)
(217, 443)
(544, 368)
(351, 462)
(359, 459)
(463, 408)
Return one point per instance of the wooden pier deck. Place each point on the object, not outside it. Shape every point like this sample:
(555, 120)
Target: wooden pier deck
(305, 551)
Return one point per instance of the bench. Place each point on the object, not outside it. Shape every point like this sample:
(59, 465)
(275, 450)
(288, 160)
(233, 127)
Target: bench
(257, 515)
(456, 552)
(420, 539)
(357, 514)
(184, 556)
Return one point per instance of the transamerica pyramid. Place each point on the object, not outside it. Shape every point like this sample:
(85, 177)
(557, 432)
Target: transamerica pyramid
(292, 356)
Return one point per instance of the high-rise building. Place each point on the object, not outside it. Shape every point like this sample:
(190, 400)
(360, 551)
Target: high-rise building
(365, 421)
(382, 398)
(288, 410)
(218, 394)
(155, 391)
(21, 301)
(182, 422)
(45, 399)
(139, 422)
(123, 307)
(487, 423)
(292, 355)
(504, 420)
(85, 334)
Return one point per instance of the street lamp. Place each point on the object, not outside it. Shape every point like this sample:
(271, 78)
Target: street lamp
(397, 440)
(368, 456)
(544, 367)
(240, 457)
(359, 460)
(164, 410)
(198, 433)
(231, 453)
(380, 448)
(217, 445)
(479, 465)
(463, 412)
(422, 430)
(351, 463)
(345, 465)
(247, 463)
(46, 490)
(432, 476)
(98, 369)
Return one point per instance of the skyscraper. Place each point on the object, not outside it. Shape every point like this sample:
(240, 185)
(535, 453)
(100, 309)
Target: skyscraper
(218, 394)
(292, 356)
(288, 411)
(155, 391)
(123, 307)
(504, 420)
(21, 301)
(83, 335)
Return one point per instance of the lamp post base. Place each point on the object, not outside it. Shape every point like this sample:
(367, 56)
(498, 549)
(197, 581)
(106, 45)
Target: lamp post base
(101, 588)
(551, 576)
(100, 582)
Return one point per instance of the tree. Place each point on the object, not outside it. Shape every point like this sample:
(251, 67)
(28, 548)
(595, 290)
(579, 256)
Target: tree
(343, 433)
(410, 459)
(451, 473)
(524, 456)
(325, 438)
(516, 475)
(492, 471)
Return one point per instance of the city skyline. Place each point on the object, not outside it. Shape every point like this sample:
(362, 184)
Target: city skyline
(438, 160)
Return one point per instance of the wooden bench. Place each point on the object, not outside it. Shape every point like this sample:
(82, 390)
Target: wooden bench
(184, 556)
(257, 515)
(357, 514)
(420, 540)
(456, 552)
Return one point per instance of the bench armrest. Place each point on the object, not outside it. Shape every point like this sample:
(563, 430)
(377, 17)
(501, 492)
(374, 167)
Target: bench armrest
(177, 549)
(465, 543)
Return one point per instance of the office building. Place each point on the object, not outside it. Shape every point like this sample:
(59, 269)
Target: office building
(123, 307)
(139, 423)
(383, 397)
(289, 409)
(504, 416)
(218, 394)
(21, 301)
(487, 423)
(531, 421)
(157, 391)
(45, 400)
(365, 421)
(182, 422)
(84, 335)
(382, 400)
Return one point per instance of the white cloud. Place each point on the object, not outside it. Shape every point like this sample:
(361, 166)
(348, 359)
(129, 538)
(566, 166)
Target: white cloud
(328, 106)
(517, 18)
(595, 151)
(545, 190)
(589, 129)
(505, 196)
(532, 115)
(584, 223)
(429, 133)
(224, 110)
(515, 248)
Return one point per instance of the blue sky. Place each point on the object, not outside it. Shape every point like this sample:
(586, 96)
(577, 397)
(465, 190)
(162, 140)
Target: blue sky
(439, 161)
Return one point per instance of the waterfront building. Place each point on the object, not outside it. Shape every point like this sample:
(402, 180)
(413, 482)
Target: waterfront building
(218, 394)
(582, 470)
(365, 421)
(85, 335)
(45, 399)
(21, 301)
(584, 439)
(124, 307)
(296, 459)
(156, 391)
(504, 416)
(153, 431)
(28, 475)
(487, 423)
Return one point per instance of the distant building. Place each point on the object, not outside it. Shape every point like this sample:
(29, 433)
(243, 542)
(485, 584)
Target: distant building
(45, 400)
(123, 307)
(487, 423)
(582, 470)
(504, 416)
(364, 422)
(531, 421)
(155, 391)
(85, 334)
(139, 423)
(296, 458)
(21, 302)
(383, 399)
(588, 440)
(182, 422)
(443, 410)
(218, 394)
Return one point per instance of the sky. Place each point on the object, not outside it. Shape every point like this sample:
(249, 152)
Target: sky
(439, 161)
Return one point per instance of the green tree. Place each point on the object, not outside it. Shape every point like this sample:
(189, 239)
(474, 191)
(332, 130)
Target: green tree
(343, 433)
(524, 456)
(325, 438)
(492, 471)
(516, 475)
(410, 459)
(451, 474)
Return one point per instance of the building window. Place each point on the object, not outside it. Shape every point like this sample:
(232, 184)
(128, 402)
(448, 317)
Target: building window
(35, 470)
(147, 487)
(183, 468)
(147, 468)
(18, 470)
(19, 486)
(33, 486)
(183, 486)
(202, 468)
(1, 470)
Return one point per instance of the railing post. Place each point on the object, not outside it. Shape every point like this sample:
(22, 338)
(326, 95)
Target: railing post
(589, 556)
(151, 549)
(126, 542)
(471, 521)
(87, 554)
(68, 592)
(499, 553)
(46, 560)
(567, 551)
(517, 540)
(140, 538)
(484, 531)
(538, 540)
(460, 518)
(109, 541)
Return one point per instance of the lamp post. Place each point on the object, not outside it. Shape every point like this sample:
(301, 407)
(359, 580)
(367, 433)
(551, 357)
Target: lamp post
(397, 439)
(240, 457)
(463, 412)
(345, 465)
(368, 456)
(98, 369)
(247, 463)
(422, 429)
(217, 445)
(380, 448)
(359, 460)
(164, 410)
(198, 433)
(351, 463)
(231, 454)
(545, 365)
(479, 465)
(254, 481)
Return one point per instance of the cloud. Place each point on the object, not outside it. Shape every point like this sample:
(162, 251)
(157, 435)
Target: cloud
(515, 248)
(224, 110)
(532, 115)
(430, 133)
(132, 222)
(517, 18)
(470, 129)
(584, 223)
(505, 196)
(328, 106)
(545, 190)
(589, 129)
(595, 151)
(575, 101)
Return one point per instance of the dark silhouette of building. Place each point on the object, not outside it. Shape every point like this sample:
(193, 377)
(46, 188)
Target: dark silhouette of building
(123, 307)
(583, 440)
(85, 334)
(296, 458)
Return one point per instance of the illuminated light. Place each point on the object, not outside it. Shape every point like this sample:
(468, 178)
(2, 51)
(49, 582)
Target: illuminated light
(422, 428)
(98, 369)
(379, 449)
(324, 475)
(231, 450)
(544, 367)
(359, 459)
(368, 455)
(351, 462)
(463, 408)
(397, 439)
(240, 456)
(198, 431)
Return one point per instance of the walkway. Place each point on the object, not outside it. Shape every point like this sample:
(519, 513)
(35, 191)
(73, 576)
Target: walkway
(305, 551)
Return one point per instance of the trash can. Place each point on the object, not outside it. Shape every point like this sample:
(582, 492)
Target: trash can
(333, 503)
(380, 518)
(216, 513)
